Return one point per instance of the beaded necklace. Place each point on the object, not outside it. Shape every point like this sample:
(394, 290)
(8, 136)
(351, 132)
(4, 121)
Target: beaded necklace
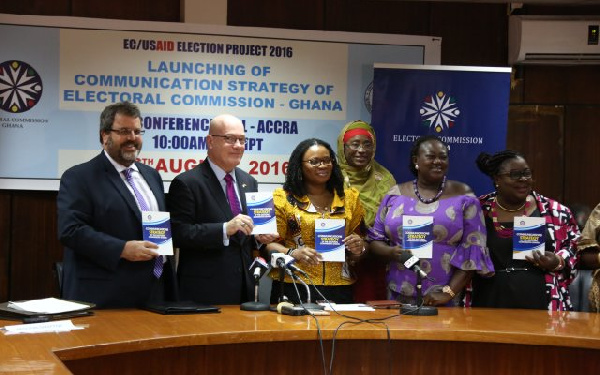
(501, 230)
(430, 200)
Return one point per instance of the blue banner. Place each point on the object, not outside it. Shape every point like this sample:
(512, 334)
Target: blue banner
(465, 106)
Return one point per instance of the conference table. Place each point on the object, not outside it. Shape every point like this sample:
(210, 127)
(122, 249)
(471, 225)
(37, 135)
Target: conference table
(457, 341)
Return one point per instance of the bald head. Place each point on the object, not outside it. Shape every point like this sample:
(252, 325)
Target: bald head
(223, 130)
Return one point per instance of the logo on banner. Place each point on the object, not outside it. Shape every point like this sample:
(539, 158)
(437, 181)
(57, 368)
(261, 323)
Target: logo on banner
(368, 97)
(20, 86)
(439, 111)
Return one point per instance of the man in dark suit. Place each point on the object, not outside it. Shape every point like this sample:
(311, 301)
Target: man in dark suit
(213, 238)
(106, 262)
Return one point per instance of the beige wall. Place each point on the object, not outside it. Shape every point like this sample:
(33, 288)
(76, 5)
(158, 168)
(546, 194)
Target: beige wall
(208, 12)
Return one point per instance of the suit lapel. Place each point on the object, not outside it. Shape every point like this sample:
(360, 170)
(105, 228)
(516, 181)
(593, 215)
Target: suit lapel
(216, 190)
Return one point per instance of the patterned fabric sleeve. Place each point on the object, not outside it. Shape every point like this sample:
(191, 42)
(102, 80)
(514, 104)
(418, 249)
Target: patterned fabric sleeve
(472, 254)
(355, 213)
(564, 232)
(589, 235)
(377, 231)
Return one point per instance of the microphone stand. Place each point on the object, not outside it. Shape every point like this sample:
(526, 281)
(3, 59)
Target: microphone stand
(309, 305)
(255, 305)
(419, 309)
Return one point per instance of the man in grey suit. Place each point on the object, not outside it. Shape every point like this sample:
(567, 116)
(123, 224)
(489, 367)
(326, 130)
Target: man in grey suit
(209, 223)
(106, 261)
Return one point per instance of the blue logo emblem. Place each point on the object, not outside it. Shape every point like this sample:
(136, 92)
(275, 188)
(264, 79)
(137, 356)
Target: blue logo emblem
(439, 111)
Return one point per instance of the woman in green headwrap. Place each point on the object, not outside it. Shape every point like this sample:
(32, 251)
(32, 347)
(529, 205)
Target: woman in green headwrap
(356, 156)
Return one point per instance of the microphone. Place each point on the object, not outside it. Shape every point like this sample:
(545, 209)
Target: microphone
(287, 308)
(411, 262)
(309, 305)
(260, 267)
(280, 260)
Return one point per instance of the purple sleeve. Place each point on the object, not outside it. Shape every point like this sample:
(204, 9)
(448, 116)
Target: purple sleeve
(377, 231)
(472, 254)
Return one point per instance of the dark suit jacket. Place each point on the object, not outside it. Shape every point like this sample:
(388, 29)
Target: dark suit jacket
(97, 214)
(208, 271)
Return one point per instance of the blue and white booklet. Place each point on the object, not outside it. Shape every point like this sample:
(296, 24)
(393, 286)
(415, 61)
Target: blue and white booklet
(329, 234)
(417, 235)
(528, 235)
(262, 211)
(156, 226)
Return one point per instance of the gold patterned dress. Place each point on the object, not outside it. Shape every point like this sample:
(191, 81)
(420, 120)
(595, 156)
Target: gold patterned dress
(296, 227)
(589, 239)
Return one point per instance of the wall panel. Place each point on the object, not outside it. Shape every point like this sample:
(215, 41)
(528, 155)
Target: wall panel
(538, 133)
(582, 161)
(41, 7)
(396, 17)
(34, 245)
(473, 34)
(5, 234)
(303, 15)
(148, 10)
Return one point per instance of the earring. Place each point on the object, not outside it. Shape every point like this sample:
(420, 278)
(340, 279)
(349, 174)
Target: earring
(416, 166)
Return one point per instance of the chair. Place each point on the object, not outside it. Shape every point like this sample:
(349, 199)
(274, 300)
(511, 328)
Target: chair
(579, 289)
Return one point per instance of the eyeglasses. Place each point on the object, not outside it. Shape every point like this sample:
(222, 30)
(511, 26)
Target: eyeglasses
(231, 139)
(318, 162)
(125, 132)
(355, 146)
(516, 175)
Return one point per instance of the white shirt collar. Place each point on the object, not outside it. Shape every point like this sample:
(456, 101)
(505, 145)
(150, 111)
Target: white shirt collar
(219, 172)
(120, 168)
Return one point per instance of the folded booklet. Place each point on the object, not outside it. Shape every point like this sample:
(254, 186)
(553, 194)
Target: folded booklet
(44, 310)
(384, 304)
(180, 307)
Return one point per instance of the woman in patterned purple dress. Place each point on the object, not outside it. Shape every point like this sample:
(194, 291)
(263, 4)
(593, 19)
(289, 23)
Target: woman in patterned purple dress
(459, 235)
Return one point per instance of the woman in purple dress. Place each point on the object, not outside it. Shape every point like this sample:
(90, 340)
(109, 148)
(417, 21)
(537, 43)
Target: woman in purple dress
(459, 235)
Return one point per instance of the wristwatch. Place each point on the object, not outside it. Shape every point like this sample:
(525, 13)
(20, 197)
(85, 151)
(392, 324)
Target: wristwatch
(448, 290)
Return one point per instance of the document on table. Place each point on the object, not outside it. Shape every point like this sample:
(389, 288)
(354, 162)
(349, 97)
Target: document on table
(56, 326)
(47, 306)
(347, 307)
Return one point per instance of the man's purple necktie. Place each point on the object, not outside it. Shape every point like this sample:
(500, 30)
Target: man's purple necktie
(158, 262)
(234, 202)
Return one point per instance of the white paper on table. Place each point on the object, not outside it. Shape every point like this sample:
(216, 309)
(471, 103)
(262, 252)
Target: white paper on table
(347, 307)
(55, 326)
(47, 306)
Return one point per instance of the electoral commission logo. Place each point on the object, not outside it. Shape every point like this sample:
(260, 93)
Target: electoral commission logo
(20, 86)
(439, 111)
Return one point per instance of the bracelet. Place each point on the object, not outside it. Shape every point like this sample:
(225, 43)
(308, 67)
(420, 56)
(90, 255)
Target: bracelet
(561, 264)
(448, 290)
(290, 251)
